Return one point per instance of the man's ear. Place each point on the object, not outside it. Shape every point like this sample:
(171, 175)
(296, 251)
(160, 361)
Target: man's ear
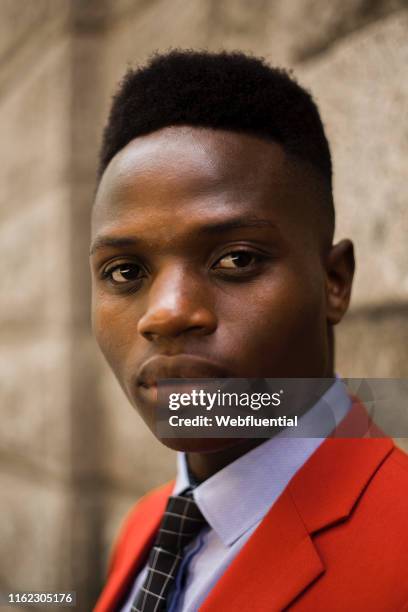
(340, 267)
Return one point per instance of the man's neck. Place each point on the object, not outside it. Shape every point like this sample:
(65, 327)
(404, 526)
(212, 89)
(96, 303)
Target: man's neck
(204, 465)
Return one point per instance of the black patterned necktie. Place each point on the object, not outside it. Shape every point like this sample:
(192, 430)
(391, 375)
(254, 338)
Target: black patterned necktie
(181, 522)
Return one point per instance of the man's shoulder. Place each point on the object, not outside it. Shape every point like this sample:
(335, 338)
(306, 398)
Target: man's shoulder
(393, 473)
(390, 483)
(399, 457)
(388, 487)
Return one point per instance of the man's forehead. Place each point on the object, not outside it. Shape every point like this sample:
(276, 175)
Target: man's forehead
(185, 172)
(202, 158)
(206, 213)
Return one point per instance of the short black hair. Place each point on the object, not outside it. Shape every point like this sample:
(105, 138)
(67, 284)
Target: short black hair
(227, 90)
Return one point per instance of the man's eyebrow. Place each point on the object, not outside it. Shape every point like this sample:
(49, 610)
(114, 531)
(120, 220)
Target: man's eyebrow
(237, 223)
(215, 227)
(101, 242)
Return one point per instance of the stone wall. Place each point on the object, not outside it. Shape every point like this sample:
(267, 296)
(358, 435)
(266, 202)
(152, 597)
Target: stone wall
(74, 454)
(34, 356)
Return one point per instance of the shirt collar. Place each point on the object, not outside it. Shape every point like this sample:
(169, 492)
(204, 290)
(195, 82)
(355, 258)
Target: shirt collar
(237, 497)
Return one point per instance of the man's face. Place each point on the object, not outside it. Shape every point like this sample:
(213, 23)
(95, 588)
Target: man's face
(208, 261)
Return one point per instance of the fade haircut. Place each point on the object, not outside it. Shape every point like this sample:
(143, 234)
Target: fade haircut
(228, 91)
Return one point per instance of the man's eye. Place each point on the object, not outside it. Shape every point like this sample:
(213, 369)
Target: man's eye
(236, 260)
(123, 273)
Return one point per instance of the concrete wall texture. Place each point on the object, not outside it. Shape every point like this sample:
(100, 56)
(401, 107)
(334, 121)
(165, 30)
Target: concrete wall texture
(74, 454)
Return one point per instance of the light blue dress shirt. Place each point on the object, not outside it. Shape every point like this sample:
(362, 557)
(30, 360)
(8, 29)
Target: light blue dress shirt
(236, 499)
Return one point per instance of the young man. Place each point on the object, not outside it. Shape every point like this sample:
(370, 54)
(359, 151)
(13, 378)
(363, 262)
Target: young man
(212, 256)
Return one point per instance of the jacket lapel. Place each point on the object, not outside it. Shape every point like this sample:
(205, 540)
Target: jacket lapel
(132, 549)
(280, 560)
(276, 564)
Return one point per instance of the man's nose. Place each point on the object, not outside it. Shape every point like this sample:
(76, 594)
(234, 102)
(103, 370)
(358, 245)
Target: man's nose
(178, 304)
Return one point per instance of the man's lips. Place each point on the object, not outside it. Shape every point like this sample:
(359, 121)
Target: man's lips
(177, 366)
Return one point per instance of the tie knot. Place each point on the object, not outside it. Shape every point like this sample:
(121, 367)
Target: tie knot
(181, 522)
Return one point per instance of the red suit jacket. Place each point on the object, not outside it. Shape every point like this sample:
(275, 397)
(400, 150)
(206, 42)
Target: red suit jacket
(336, 540)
